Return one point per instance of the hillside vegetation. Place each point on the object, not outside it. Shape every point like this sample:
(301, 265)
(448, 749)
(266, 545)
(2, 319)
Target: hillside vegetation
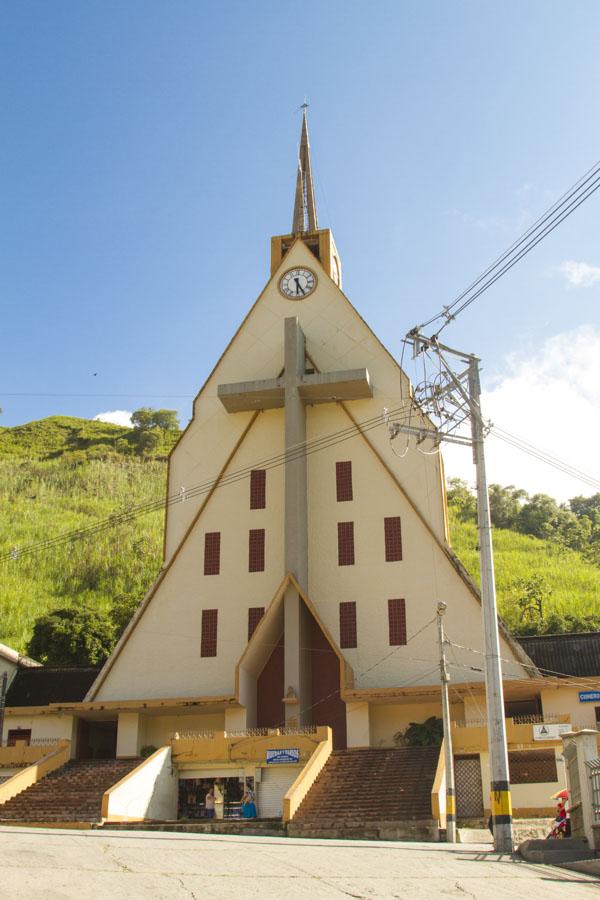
(65, 473)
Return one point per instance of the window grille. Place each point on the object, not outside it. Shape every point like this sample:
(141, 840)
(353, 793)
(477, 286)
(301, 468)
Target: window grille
(208, 643)
(393, 539)
(348, 636)
(255, 614)
(346, 543)
(212, 552)
(397, 622)
(532, 766)
(258, 489)
(256, 550)
(343, 480)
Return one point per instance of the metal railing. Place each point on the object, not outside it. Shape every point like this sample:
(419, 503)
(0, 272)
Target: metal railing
(594, 774)
(551, 719)
(245, 732)
(34, 742)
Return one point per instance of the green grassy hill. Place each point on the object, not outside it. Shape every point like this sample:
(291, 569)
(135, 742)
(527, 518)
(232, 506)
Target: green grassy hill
(574, 583)
(64, 473)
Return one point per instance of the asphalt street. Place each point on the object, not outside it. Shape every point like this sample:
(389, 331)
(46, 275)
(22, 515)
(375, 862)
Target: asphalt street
(77, 865)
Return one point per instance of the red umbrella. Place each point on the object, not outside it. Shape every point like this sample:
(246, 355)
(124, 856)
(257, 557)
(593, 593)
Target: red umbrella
(560, 795)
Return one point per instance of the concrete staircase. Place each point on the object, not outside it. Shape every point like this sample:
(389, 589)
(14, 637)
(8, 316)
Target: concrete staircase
(383, 794)
(72, 793)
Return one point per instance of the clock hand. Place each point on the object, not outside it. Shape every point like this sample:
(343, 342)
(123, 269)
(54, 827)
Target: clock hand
(299, 287)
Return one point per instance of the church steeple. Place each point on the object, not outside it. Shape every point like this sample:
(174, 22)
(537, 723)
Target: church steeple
(305, 210)
(305, 226)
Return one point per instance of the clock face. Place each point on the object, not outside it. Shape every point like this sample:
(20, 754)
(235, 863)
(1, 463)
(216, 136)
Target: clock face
(296, 284)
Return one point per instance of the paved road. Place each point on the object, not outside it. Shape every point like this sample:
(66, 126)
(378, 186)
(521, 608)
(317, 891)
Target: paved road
(72, 865)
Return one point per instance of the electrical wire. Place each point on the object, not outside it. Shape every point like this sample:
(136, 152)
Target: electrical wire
(584, 188)
(294, 453)
(543, 456)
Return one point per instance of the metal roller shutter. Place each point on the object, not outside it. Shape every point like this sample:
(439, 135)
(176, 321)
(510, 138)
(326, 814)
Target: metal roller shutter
(273, 787)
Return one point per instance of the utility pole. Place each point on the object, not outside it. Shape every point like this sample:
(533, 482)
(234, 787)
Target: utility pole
(3, 686)
(448, 755)
(500, 779)
(454, 399)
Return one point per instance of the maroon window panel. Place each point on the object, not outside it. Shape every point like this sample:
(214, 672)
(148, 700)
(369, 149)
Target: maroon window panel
(397, 621)
(258, 489)
(255, 614)
(212, 552)
(348, 625)
(208, 643)
(346, 543)
(343, 480)
(393, 539)
(18, 734)
(256, 550)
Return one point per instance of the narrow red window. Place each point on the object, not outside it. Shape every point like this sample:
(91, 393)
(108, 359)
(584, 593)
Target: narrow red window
(258, 489)
(212, 552)
(343, 480)
(256, 550)
(346, 543)
(397, 621)
(393, 539)
(348, 624)
(208, 643)
(255, 614)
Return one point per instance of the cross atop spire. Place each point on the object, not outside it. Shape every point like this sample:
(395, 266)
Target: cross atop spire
(305, 211)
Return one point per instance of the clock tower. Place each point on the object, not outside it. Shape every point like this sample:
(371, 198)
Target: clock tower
(305, 225)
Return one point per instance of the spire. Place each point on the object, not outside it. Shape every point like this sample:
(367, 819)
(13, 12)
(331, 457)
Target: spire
(305, 211)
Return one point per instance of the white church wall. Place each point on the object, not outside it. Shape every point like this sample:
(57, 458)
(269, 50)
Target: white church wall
(388, 720)
(336, 338)
(170, 628)
(422, 578)
(158, 730)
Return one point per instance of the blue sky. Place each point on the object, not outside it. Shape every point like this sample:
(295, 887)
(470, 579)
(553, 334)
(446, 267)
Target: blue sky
(148, 154)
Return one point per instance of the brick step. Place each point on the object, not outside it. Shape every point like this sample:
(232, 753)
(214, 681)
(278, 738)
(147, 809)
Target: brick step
(397, 785)
(72, 793)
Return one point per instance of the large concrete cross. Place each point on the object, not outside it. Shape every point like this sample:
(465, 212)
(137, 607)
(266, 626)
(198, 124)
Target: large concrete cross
(293, 391)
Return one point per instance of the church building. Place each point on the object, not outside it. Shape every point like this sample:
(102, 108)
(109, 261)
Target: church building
(303, 559)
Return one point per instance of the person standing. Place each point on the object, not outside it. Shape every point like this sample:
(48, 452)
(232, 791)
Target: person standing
(209, 804)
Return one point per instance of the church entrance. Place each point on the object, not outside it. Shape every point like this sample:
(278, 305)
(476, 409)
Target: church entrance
(325, 705)
(96, 740)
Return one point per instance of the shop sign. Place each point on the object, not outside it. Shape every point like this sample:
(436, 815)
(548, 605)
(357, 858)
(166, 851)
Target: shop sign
(550, 732)
(589, 696)
(289, 755)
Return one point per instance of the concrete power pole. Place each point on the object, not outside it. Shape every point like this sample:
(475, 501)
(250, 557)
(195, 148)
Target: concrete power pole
(453, 398)
(500, 779)
(3, 686)
(448, 755)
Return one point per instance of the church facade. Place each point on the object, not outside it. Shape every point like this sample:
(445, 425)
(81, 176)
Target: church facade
(303, 559)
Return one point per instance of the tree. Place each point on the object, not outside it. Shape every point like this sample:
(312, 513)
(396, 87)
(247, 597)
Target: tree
(429, 733)
(77, 636)
(505, 505)
(148, 441)
(462, 500)
(530, 595)
(538, 515)
(145, 418)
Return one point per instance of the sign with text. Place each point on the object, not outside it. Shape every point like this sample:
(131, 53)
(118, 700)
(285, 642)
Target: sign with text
(589, 696)
(550, 732)
(288, 755)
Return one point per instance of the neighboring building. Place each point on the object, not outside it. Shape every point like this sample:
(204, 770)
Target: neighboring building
(304, 561)
(10, 661)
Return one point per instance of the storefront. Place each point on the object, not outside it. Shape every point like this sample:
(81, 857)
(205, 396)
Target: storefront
(227, 790)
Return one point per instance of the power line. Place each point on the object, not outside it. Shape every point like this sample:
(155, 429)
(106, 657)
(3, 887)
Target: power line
(587, 185)
(295, 452)
(543, 456)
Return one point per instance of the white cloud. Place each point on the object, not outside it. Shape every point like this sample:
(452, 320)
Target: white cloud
(115, 417)
(579, 274)
(550, 399)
